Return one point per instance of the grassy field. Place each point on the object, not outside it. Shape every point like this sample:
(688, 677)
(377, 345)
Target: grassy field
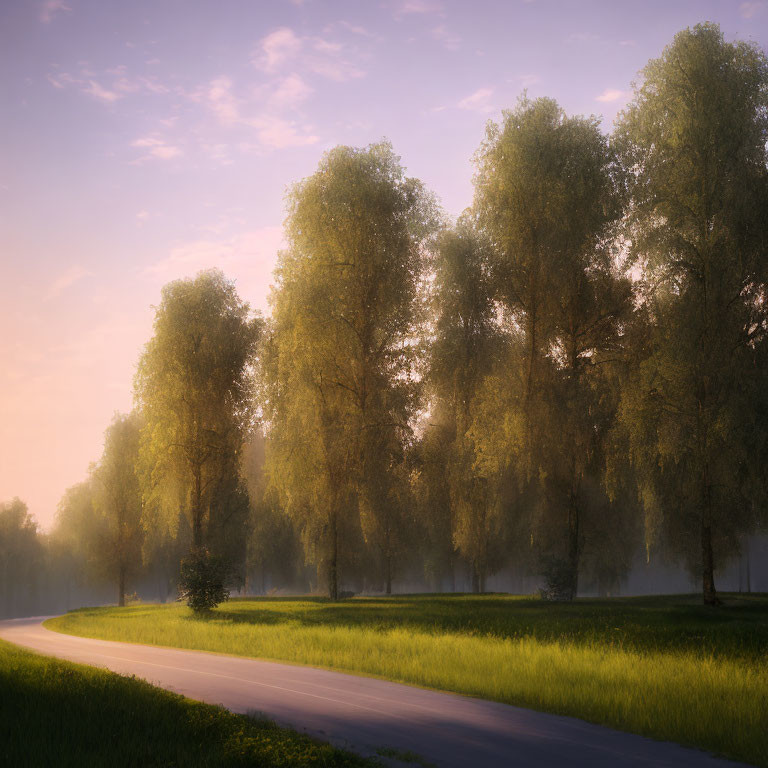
(53, 713)
(663, 667)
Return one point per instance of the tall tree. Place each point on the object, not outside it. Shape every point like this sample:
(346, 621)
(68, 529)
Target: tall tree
(192, 388)
(522, 205)
(117, 499)
(466, 337)
(341, 352)
(694, 140)
(547, 196)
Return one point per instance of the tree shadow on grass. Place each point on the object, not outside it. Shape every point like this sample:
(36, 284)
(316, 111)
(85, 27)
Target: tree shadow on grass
(669, 623)
(253, 616)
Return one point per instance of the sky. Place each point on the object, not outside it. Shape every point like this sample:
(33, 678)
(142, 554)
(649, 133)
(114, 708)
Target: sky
(143, 141)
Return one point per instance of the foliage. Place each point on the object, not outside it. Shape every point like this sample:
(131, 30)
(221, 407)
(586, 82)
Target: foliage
(99, 521)
(273, 546)
(337, 371)
(21, 555)
(465, 341)
(547, 196)
(429, 481)
(664, 667)
(580, 360)
(53, 712)
(117, 502)
(79, 529)
(695, 139)
(193, 391)
(203, 580)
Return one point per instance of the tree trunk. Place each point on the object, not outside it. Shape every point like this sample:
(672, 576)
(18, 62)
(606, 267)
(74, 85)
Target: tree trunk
(573, 547)
(333, 562)
(475, 579)
(707, 555)
(388, 555)
(708, 567)
(121, 586)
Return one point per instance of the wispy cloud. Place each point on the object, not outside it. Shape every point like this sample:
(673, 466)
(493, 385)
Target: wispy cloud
(278, 47)
(479, 101)
(289, 93)
(283, 49)
(751, 9)
(222, 100)
(250, 255)
(278, 133)
(51, 8)
(100, 93)
(165, 152)
(447, 39)
(156, 147)
(61, 80)
(613, 94)
(121, 83)
(355, 29)
(66, 280)
(266, 115)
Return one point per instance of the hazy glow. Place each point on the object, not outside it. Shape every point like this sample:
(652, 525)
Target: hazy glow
(144, 141)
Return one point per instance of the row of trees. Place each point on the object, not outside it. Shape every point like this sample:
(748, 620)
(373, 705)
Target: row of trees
(585, 346)
(39, 573)
(574, 368)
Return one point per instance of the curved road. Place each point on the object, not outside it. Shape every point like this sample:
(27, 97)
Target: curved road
(363, 714)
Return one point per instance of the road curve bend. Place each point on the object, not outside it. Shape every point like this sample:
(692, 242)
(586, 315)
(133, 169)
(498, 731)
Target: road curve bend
(363, 714)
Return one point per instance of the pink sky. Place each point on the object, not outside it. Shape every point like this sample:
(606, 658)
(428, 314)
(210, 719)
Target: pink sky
(144, 141)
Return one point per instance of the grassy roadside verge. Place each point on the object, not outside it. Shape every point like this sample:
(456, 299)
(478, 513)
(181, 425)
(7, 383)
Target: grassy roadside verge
(662, 667)
(55, 713)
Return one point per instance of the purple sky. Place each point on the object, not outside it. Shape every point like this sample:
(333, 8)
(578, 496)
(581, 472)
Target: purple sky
(145, 140)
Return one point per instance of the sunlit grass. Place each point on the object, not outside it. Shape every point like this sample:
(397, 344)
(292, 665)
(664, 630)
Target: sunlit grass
(662, 667)
(54, 713)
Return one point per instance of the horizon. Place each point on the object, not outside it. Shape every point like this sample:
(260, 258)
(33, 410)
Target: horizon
(152, 146)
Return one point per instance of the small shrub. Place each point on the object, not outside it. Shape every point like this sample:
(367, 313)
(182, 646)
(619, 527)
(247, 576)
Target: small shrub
(203, 580)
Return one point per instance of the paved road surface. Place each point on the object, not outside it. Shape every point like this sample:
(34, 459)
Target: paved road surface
(363, 714)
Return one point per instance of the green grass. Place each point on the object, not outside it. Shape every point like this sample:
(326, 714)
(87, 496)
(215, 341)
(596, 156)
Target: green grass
(663, 667)
(54, 713)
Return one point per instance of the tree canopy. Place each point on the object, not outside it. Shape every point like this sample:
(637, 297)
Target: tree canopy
(574, 370)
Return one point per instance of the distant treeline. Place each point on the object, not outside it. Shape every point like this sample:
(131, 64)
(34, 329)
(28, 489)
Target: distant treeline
(574, 371)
